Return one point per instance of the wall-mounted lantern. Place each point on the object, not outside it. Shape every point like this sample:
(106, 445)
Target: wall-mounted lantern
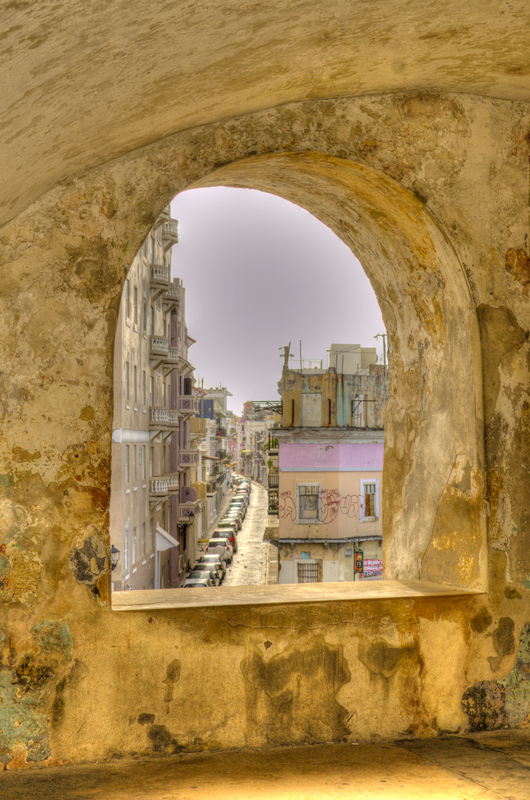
(114, 556)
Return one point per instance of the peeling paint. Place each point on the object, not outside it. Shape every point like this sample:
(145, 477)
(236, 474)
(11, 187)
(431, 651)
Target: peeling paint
(55, 637)
(503, 703)
(88, 558)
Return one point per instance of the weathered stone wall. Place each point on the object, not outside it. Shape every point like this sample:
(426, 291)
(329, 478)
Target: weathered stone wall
(431, 192)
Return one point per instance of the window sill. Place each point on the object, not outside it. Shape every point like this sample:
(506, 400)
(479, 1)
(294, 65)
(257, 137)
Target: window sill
(280, 594)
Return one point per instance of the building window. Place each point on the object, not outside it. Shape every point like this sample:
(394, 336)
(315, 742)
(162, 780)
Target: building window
(126, 549)
(143, 538)
(127, 299)
(134, 546)
(151, 531)
(134, 463)
(126, 379)
(357, 411)
(163, 460)
(309, 571)
(152, 322)
(369, 500)
(151, 391)
(135, 383)
(309, 503)
(164, 395)
(151, 459)
(143, 387)
(144, 314)
(126, 463)
(141, 456)
(153, 250)
(163, 576)
(135, 307)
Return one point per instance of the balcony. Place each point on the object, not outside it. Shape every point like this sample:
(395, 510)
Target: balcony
(189, 404)
(159, 279)
(163, 419)
(158, 346)
(188, 458)
(221, 455)
(274, 480)
(162, 486)
(158, 351)
(221, 432)
(170, 233)
(188, 505)
(273, 446)
(171, 296)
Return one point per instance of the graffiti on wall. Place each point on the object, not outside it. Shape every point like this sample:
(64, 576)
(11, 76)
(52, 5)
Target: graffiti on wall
(333, 504)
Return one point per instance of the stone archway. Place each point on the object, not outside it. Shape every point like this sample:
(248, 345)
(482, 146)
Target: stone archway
(66, 260)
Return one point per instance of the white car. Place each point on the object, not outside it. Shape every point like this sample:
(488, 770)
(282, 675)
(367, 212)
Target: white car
(221, 546)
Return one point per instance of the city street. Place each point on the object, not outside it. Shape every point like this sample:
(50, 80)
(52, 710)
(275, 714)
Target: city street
(250, 562)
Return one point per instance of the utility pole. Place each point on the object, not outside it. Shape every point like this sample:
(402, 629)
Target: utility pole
(383, 336)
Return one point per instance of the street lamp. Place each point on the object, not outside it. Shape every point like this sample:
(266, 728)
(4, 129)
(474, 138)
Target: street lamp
(114, 556)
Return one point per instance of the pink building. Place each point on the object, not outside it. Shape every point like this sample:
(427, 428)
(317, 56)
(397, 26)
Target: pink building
(330, 475)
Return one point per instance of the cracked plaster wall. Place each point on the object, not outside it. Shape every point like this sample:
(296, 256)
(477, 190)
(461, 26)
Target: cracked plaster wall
(431, 192)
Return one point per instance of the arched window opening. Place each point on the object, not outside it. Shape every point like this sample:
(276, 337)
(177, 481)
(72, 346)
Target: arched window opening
(255, 278)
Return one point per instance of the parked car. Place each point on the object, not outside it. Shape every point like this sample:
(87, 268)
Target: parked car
(238, 503)
(197, 582)
(222, 547)
(234, 516)
(215, 560)
(215, 566)
(228, 526)
(223, 533)
(205, 573)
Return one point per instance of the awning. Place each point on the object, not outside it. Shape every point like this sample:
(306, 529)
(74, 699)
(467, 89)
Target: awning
(210, 458)
(164, 540)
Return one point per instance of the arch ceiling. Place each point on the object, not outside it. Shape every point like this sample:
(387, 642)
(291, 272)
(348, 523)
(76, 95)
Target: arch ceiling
(84, 82)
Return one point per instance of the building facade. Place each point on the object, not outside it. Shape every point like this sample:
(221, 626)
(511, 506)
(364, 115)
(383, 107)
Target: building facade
(330, 460)
(152, 502)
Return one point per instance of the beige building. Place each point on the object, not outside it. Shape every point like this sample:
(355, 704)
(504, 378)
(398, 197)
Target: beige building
(151, 420)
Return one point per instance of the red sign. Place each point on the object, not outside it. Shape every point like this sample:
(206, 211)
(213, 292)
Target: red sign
(358, 562)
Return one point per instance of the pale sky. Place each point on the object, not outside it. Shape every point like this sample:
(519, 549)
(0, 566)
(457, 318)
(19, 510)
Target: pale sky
(260, 272)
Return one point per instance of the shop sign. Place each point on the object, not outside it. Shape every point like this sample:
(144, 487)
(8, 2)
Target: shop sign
(373, 566)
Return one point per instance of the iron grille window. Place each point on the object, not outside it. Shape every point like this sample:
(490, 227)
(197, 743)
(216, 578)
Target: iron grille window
(308, 502)
(309, 572)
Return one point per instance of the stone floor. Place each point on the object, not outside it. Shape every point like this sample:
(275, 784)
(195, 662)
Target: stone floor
(486, 766)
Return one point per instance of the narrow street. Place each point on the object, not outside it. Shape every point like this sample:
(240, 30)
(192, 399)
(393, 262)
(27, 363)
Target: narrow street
(249, 564)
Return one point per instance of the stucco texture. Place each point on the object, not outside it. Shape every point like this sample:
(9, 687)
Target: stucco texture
(430, 190)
